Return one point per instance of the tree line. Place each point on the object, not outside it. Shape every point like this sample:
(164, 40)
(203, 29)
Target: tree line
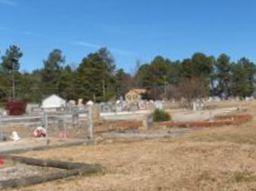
(97, 78)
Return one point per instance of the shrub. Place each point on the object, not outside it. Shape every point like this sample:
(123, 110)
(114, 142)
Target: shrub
(15, 107)
(161, 115)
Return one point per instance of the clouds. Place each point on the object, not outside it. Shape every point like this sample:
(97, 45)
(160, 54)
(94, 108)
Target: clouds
(34, 35)
(86, 44)
(11, 3)
(118, 51)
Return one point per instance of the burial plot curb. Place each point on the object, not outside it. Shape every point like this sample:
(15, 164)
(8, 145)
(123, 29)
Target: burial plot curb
(45, 147)
(216, 122)
(71, 169)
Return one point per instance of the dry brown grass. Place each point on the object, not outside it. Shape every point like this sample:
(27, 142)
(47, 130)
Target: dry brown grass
(186, 167)
(239, 135)
(219, 159)
(186, 164)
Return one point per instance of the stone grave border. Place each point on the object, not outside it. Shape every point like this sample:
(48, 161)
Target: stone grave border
(216, 122)
(71, 169)
(47, 147)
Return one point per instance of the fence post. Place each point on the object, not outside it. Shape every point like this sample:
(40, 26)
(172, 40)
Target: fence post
(1, 130)
(45, 119)
(90, 122)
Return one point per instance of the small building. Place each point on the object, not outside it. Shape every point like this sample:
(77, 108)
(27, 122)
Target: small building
(135, 95)
(53, 103)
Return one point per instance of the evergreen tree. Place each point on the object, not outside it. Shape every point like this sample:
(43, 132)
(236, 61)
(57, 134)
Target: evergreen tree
(51, 72)
(10, 67)
(223, 75)
(67, 83)
(243, 78)
(96, 76)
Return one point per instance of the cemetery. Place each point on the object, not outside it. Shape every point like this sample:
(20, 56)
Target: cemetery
(28, 142)
(60, 121)
(127, 95)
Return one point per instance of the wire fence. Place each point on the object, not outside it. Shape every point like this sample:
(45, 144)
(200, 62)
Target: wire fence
(68, 125)
(44, 125)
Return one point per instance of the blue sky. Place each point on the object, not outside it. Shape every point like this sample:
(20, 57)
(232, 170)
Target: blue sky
(132, 29)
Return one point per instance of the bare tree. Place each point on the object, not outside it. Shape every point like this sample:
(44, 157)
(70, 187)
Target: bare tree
(189, 90)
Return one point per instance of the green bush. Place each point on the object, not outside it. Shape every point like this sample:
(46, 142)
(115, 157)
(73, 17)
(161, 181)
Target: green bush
(161, 115)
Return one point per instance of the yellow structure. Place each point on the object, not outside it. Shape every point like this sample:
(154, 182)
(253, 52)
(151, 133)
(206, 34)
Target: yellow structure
(134, 95)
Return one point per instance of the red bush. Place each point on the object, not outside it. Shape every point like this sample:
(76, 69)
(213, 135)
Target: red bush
(15, 107)
(1, 162)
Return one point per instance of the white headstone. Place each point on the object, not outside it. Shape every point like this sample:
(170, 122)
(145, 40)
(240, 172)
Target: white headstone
(159, 105)
(89, 103)
(14, 136)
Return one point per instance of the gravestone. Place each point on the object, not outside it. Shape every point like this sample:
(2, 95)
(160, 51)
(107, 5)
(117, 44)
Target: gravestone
(119, 108)
(133, 107)
(159, 105)
(80, 102)
(142, 105)
(194, 106)
(75, 115)
(198, 105)
(150, 105)
(105, 108)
